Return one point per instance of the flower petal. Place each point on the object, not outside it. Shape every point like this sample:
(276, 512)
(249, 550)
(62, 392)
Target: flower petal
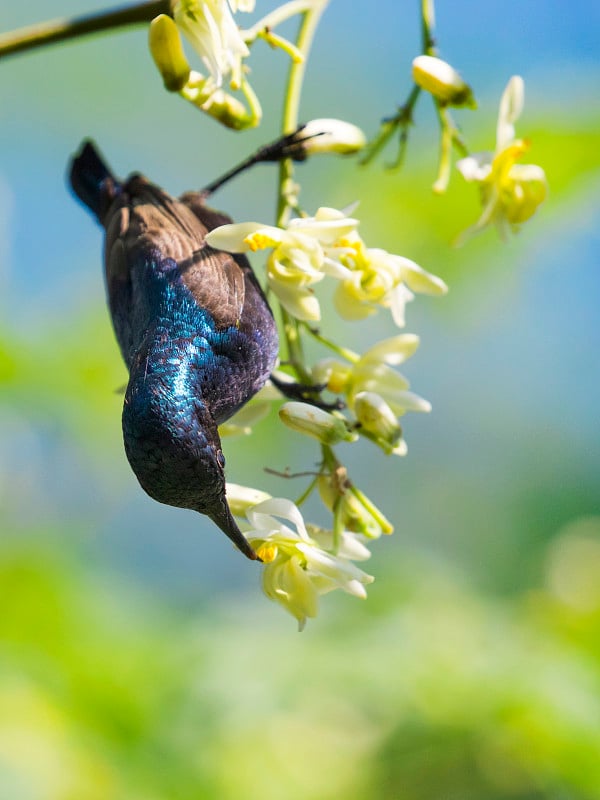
(511, 106)
(233, 237)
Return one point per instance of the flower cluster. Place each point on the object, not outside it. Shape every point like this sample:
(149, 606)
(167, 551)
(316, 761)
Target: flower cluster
(510, 192)
(310, 248)
(303, 561)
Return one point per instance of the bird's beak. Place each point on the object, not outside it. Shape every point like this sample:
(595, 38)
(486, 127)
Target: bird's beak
(224, 519)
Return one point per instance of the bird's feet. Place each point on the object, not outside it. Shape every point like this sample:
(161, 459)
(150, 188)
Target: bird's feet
(307, 393)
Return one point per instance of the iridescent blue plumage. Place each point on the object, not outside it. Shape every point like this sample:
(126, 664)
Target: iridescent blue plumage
(193, 326)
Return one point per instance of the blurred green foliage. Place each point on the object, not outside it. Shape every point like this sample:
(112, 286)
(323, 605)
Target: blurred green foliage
(429, 690)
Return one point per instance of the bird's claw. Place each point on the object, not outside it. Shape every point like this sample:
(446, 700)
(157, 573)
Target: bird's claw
(307, 393)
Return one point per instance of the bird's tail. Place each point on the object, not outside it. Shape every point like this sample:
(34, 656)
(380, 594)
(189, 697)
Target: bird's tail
(92, 181)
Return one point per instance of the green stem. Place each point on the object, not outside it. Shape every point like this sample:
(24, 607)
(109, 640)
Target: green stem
(60, 30)
(383, 522)
(427, 27)
(289, 123)
(287, 189)
(307, 492)
(343, 352)
(291, 330)
(449, 133)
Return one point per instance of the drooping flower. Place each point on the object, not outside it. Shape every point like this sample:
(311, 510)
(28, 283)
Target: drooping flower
(300, 566)
(309, 248)
(210, 28)
(510, 192)
(241, 498)
(375, 278)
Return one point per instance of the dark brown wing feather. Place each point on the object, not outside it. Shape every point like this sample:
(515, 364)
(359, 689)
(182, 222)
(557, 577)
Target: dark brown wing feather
(145, 219)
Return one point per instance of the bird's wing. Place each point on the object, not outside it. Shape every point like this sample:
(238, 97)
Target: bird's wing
(217, 284)
(153, 225)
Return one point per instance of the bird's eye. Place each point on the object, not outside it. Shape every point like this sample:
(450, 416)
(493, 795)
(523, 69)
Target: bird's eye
(220, 459)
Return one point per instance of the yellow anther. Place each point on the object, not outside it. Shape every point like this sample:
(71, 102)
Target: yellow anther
(267, 552)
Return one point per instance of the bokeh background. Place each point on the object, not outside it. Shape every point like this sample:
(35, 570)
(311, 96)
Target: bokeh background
(138, 658)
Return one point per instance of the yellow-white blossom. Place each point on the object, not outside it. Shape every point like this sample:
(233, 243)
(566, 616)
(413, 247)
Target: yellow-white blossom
(375, 278)
(328, 244)
(211, 30)
(442, 81)
(372, 374)
(299, 567)
(510, 192)
(299, 256)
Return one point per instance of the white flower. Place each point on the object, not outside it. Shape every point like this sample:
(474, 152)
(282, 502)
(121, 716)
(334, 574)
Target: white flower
(211, 30)
(327, 244)
(510, 192)
(375, 278)
(299, 567)
(298, 259)
(375, 391)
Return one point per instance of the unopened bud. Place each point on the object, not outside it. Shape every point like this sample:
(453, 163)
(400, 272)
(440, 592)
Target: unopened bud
(321, 425)
(357, 513)
(331, 136)
(167, 52)
(442, 81)
(378, 419)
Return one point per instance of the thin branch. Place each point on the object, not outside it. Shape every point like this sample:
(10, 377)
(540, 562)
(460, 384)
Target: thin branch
(61, 30)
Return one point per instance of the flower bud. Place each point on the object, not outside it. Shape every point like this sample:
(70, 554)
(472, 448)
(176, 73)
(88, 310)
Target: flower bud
(442, 81)
(167, 52)
(378, 419)
(313, 421)
(330, 136)
(357, 513)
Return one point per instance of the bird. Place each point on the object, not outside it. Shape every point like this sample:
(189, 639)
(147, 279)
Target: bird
(194, 328)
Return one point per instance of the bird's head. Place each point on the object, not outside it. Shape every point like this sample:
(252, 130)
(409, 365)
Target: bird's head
(173, 446)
